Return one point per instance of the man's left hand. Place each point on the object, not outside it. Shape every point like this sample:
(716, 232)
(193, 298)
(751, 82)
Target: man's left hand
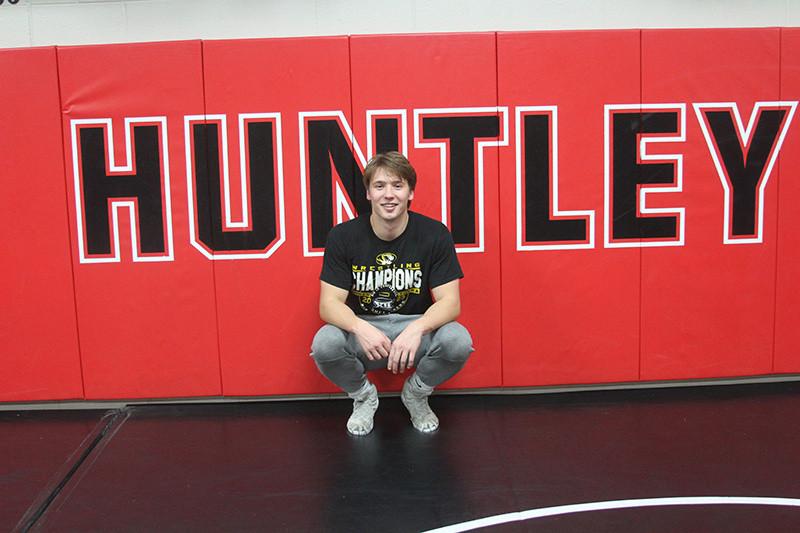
(404, 349)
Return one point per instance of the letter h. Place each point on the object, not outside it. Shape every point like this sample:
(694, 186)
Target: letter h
(141, 186)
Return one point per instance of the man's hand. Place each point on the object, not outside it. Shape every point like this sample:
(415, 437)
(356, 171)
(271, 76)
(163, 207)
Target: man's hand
(333, 309)
(373, 341)
(404, 348)
(446, 308)
(401, 353)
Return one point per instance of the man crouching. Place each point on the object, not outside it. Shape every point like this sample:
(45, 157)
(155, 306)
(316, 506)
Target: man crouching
(389, 293)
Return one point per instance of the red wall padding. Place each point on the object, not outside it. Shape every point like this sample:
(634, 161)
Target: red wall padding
(147, 328)
(570, 313)
(268, 307)
(618, 215)
(708, 308)
(38, 333)
(787, 316)
(446, 78)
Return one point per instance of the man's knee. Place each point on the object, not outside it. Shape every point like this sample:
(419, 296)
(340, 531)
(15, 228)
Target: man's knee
(455, 342)
(329, 344)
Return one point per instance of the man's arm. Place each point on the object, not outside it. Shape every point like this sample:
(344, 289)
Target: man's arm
(446, 308)
(334, 310)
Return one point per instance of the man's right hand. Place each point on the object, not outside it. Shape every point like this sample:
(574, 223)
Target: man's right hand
(373, 341)
(333, 309)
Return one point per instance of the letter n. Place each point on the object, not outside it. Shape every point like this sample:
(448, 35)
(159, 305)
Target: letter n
(540, 223)
(242, 220)
(387, 132)
(744, 158)
(140, 186)
(331, 167)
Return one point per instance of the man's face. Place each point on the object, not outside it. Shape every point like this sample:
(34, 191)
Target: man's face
(389, 195)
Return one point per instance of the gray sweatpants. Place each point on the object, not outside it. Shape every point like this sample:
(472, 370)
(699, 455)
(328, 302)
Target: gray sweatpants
(441, 354)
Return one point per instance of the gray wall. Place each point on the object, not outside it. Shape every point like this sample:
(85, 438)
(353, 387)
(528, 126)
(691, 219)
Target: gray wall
(70, 22)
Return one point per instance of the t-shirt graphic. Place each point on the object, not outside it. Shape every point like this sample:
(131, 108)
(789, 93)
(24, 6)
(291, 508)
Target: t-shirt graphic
(384, 287)
(385, 277)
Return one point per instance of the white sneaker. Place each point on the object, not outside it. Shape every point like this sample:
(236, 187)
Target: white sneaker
(364, 407)
(416, 401)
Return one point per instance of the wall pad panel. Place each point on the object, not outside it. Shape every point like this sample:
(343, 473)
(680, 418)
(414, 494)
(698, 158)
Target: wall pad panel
(787, 316)
(439, 93)
(570, 305)
(708, 306)
(145, 298)
(267, 293)
(38, 333)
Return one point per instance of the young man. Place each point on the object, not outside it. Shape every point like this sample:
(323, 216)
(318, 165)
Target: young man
(390, 296)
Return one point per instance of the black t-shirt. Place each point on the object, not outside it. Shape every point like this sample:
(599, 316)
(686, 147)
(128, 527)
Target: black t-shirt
(390, 276)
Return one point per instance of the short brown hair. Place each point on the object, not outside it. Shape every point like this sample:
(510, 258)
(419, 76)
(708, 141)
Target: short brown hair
(393, 163)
